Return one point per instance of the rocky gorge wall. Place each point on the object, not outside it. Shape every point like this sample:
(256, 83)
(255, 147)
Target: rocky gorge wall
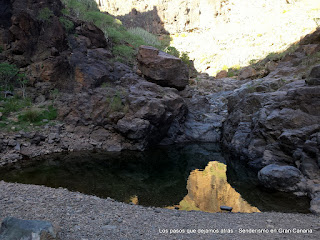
(172, 16)
(158, 16)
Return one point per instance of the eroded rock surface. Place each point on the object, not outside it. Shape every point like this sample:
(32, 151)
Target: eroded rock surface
(162, 68)
(281, 178)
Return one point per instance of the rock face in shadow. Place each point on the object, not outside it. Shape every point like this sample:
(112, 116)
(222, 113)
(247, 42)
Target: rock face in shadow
(162, 68)
(273, 124)
(128, 112)
(170, 15)
(133, 114)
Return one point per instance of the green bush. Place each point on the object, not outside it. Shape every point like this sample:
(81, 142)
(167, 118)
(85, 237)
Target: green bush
(80, 7)
(172, 51)
(34, 116)
(67, 24)
(147, 37)
(15, 104)
(185, 58)
(50, 114)
(125, 41)
(100, 19)
(45, 14)
(126, 53)
(1, 49)
(30, 116)
(8, 73)
(115, 103)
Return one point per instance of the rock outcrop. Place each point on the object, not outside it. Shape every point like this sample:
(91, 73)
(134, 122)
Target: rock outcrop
(281, 178)
(45, 50)
(100, 101)
(136, 112)
(159, 16)
(273, 125)
(162, 68)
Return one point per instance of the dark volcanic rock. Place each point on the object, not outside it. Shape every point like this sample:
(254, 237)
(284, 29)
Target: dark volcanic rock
(162, 68)
(282, 178)
(5, 13)
(138, 112)
(13, 228)
(314, 77)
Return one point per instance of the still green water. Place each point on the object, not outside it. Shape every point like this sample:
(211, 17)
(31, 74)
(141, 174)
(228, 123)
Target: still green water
(190, 177)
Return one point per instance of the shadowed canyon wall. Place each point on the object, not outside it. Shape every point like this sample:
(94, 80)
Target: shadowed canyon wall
(182, 15)
(172, 15)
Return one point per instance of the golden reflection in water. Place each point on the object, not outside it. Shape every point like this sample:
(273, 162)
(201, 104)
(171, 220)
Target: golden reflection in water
(208, 190)
(134, 199)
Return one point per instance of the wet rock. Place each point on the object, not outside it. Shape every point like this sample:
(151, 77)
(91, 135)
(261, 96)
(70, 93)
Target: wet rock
(162, 68)
(282, 178)
(14, 228)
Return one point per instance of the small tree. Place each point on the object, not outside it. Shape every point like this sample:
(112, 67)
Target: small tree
(10, 78)
(8, 74)
(22, 81)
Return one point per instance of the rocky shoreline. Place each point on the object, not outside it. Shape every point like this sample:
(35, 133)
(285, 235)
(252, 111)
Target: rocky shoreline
(79, 217)
(268, 117)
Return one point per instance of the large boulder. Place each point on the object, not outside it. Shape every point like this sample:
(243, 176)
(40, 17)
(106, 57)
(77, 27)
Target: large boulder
(282, 178)
(14, 228)
(247, 72)
(162, 68)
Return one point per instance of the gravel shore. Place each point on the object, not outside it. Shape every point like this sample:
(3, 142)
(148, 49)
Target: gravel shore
(82, 217)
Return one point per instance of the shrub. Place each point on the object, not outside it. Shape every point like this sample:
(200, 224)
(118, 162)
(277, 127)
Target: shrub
(100, 19)
(30, 116)
(115, 103)
(172, 51)
(8, 73)
(234, 70)
(50, 114)
(80, 7)
(126, 53)
(185, 58)
(67, 24)
(15, 104)
(1, 49)
(45, 14)
(147, 37)
(34, 116)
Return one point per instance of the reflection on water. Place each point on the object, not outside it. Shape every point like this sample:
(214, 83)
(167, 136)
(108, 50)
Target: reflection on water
(209, 189)
(191, 177)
